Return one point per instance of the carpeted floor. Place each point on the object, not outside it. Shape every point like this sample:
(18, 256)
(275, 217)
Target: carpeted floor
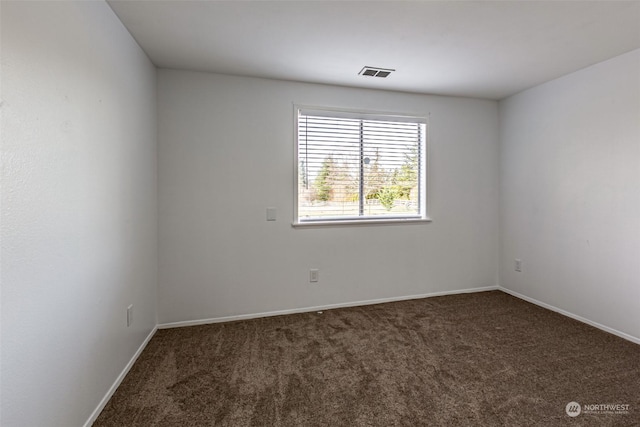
(482, 359)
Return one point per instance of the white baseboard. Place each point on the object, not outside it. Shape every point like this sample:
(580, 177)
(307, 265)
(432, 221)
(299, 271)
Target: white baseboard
(118, 380)
(571, 315)
(318, 308)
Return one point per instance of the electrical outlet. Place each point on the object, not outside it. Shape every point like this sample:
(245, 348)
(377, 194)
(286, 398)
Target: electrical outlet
(129, 315)
(271, 214)
(314, 275)
(518, 265)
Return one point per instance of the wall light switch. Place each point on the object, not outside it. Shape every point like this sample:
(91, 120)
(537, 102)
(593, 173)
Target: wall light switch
(271, 214)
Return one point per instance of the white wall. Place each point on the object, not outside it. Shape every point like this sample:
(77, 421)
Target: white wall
(226, 153)
(79, 208)
(570, 193)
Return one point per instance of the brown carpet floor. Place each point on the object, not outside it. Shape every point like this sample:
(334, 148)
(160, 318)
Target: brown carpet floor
(482, 359)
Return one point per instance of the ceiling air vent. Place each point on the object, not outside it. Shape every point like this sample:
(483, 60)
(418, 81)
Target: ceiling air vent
(375, 72)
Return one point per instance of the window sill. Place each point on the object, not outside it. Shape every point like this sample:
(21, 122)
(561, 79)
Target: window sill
(343, 223)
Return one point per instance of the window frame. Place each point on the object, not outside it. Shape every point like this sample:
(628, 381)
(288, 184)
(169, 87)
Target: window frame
(423, 216)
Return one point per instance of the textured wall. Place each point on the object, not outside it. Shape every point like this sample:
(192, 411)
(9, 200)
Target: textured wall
(570, 193)
(78, 208)
(226, 151)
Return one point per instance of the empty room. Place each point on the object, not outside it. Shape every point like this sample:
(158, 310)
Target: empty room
(320, 213)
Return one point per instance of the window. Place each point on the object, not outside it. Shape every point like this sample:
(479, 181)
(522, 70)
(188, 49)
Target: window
(356, 167)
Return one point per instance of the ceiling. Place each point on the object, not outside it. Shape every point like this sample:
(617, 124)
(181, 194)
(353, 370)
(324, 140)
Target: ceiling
(481, 49)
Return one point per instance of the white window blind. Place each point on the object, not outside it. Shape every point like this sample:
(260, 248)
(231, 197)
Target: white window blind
(359, 166)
